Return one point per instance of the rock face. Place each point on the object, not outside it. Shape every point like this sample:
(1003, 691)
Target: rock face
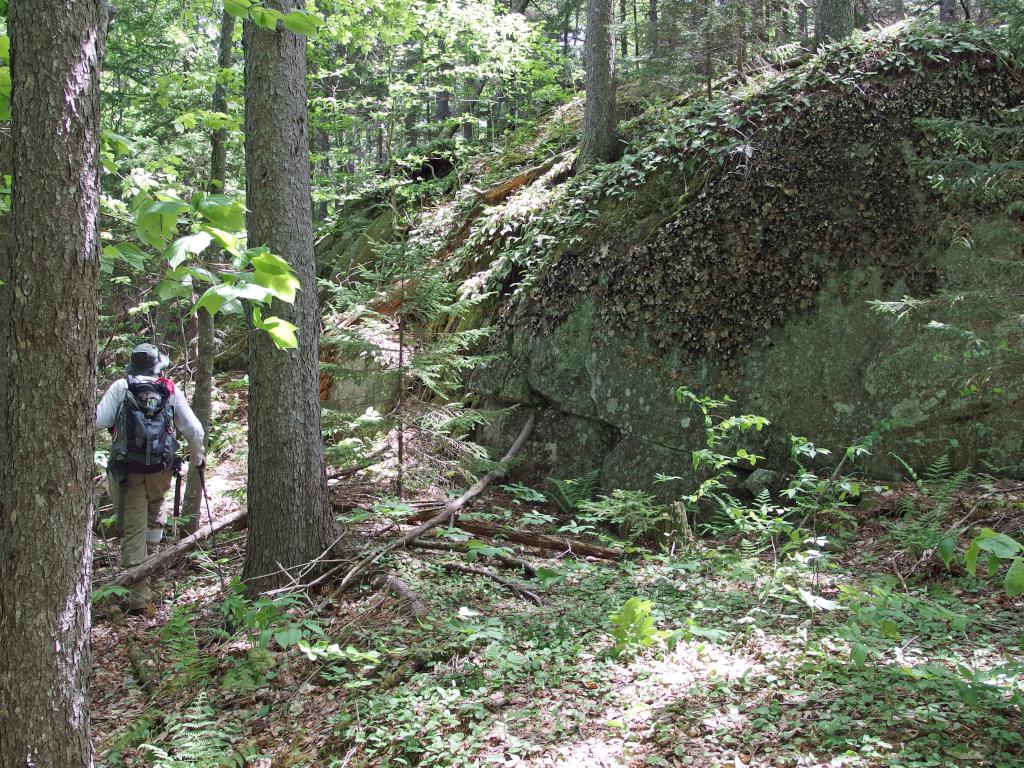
(757, 286)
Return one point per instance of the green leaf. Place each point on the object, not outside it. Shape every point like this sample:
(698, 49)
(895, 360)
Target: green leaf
(216, 297)
(859, 655)
(998, 544)
(180, 249)
(946, 550)
(265, 17)
(993, 565)
(119, 145)
(168, 289)
(282, 286)
(5, 93)
(5, 48)
(237, 8)
(263, 260)
(889, 629)
(155, 222)
(288, 637)
(971, 557)
(226, 240)
(303, 22)
(130, 254)
(1014, 581)
(221, 211)
(281, 331)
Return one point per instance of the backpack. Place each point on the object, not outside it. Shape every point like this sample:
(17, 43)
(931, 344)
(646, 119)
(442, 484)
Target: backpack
(144, 439)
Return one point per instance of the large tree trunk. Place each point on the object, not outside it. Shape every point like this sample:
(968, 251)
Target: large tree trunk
(833, 20)
(599, 123)
(202, 396)
(48, 383)
(947, 11)
(290, 520)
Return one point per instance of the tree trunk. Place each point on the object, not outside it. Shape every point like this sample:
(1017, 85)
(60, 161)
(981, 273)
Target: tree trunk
(202, 395)
(623, 39)
(219, 139)
(947, 11)
(833, 20)
(599, 122)
(652, 27)
(48, 382)
(322, 147)
(290, 520)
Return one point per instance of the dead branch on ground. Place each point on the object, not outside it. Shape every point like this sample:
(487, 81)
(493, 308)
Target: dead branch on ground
(523, 592)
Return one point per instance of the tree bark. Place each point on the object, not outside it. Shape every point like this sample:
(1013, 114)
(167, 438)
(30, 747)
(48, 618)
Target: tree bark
(833, 20)
(290, 520)
(322, 146)
(623, 38)
(947, 11)
(652, 27)
(219, 139)
(599, 120)
(48, 326)
(202, 396)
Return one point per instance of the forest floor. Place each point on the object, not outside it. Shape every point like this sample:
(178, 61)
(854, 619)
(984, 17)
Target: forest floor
(872, 654)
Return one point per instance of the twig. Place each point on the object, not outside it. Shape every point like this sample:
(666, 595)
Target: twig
(447, 514)
(523, 592)
(369, 461)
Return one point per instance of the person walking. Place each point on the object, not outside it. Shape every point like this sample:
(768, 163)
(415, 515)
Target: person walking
(143, 409)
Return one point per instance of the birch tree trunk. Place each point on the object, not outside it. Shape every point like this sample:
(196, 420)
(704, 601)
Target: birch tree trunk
(48, 382)
(290, 519)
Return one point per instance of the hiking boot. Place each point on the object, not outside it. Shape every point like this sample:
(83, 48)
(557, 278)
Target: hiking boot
(147, 610)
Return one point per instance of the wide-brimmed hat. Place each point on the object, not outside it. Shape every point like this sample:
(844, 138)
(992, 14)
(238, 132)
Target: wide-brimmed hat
(146, 361)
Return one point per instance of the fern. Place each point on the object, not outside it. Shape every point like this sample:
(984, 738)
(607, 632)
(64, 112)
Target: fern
(198, 740)
(179, 638)
(567, 495)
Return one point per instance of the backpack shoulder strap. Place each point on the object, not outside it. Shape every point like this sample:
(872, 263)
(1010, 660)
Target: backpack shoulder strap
(167, 384)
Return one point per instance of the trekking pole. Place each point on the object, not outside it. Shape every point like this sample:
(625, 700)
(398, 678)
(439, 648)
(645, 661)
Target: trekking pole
(177, 498)
(209, 518)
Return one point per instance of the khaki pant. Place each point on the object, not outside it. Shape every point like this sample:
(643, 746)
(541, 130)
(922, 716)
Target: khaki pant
(143, 523)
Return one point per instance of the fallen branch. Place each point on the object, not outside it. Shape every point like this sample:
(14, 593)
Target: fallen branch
(508, 561)
(402, 590)
(447, 514)
(151, 565)
(366, 463)
(509, 585)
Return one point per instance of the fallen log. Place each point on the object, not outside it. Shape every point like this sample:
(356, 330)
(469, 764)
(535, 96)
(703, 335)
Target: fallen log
(509, 585)
(539, 540)
(172, 554)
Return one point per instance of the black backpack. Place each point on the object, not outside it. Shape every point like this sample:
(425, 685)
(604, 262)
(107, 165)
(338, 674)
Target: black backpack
(144, 439)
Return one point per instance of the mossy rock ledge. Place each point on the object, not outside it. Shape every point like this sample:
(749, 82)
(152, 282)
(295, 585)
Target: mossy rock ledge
(755, 282)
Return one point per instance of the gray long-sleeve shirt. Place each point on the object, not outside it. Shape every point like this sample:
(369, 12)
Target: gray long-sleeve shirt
(185, 420)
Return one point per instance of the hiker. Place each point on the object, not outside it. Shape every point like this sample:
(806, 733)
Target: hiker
(142, 410)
